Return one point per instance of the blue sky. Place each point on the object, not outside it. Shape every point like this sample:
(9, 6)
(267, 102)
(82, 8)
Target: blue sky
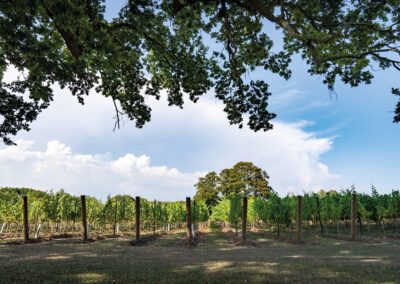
(366, 141)
(318, 141)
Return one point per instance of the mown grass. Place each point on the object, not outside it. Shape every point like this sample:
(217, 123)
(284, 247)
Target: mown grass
(215, 260)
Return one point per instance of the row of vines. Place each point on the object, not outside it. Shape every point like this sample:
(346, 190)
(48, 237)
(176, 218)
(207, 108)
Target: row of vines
(60, 212)
(323, 213)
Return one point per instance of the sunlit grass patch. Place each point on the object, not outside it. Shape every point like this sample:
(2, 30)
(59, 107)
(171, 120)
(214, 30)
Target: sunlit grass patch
(92, 277)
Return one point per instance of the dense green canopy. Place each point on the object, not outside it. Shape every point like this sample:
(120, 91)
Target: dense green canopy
(243, 179)
(156, 45)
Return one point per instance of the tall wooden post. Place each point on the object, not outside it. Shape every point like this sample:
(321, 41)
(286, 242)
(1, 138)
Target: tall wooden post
(244, 219)
(353, 215)
(298, 219)
(189, 220)
(84, 219)
(154, 217)
(137, 209)
(26, 218)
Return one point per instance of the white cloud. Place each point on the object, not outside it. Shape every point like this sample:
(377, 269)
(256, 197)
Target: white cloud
(94, 160)
(58, 167)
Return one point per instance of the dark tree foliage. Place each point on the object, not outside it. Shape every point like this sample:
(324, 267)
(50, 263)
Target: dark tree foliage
(243, 179)
(156, 45)
(207, 190)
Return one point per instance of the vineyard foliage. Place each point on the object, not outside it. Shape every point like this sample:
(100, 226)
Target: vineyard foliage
(56, 208)
(320, 211)
(222, 194)
(326, 212)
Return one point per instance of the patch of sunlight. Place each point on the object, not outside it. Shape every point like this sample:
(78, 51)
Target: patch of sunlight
(92, 277)
(344, 251)
(295, 256)
(189, 267)
(271, 263)
(371, 260)
(57, 257)
(263, 239)
(233, 248)
(217, 265)
(259, 267)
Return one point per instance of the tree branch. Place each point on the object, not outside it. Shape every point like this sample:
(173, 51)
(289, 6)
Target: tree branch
(69, 38)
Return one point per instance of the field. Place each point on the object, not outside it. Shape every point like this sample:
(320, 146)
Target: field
(216, 259)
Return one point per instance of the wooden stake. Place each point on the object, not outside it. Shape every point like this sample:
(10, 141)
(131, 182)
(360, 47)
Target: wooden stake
(298, 219)
(26, 218)
(194, 220)
(189, 220)
(137, 209)
(244, 219)
(353, 215)
(38, 231)
(84, 220)
(154, 217)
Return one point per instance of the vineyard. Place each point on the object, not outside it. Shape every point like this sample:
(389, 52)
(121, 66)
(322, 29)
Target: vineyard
(59, 213)
(326, 214)
(55, 237)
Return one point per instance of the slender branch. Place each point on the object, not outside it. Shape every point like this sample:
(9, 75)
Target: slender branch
(361, 55)
(118, 115)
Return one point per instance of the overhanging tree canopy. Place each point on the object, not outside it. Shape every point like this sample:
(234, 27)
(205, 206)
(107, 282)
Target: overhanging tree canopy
(160, 44)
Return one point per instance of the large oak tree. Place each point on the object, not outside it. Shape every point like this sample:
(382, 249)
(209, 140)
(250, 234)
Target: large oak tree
(156, 45)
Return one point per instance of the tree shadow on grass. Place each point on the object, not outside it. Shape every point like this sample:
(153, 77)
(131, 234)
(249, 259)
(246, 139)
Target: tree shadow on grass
(215, 261)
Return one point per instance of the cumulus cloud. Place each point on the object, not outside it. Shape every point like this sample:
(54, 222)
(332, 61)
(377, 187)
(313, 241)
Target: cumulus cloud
(164, 159)
(59, 167)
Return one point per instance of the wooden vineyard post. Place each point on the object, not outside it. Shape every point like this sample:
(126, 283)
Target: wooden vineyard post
(244, 219)
(353, 215)
(194, 219)
(298, 219)
(189, 220)
(26, 218)
(84, 219)
(154, 217)
(137, 210)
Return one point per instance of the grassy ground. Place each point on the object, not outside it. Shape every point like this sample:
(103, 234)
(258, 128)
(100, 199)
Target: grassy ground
(215, 260)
